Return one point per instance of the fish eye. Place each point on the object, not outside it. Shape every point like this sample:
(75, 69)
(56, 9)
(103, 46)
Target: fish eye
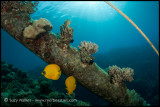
(44, 72)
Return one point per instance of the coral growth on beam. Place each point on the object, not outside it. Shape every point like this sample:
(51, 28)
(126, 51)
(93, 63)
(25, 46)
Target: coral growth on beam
(19, 6)
(86, 50)
(119, 75)
(15, 16)
(65, 36)
(39, 26)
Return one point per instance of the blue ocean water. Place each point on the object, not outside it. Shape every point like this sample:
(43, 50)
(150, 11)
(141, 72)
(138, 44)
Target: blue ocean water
(99, 23)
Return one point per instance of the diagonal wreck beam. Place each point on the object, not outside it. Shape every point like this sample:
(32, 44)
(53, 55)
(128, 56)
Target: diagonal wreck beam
(37, 37)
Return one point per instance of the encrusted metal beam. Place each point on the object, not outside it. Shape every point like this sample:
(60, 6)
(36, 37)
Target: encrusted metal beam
(15, 19)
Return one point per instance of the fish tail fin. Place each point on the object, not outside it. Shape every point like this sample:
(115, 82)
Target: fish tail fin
(69, 92)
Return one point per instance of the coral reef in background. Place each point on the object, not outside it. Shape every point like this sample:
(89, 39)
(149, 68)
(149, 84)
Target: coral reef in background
(16, 84)
(118, 75)
(86, 50)
(39, 26)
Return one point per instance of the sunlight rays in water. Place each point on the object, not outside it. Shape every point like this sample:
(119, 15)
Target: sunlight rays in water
(90, 10)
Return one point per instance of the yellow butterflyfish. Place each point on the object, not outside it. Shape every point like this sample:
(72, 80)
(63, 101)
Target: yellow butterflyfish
(70, 84)
(52, 71)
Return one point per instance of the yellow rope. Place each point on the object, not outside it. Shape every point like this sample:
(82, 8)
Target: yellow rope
(134, 26)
